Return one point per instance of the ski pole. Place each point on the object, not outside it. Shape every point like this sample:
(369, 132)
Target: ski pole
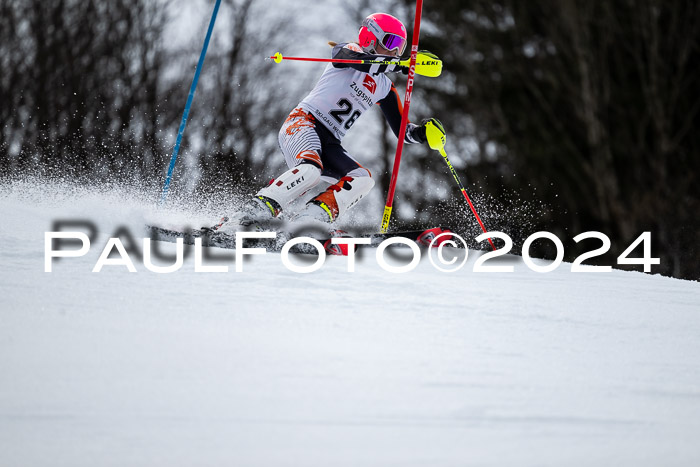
(190, 97)
(464, 192)
(278, 57)
(386, 217)
(436, 140)
(427, 64)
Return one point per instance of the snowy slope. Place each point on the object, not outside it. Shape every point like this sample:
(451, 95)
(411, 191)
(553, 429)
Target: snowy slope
(270, 367)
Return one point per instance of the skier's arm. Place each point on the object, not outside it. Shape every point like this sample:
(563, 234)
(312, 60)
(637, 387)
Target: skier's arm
(353, 52)
(392, 109)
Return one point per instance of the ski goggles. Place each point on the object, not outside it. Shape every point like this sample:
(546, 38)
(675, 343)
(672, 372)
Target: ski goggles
(391, 42)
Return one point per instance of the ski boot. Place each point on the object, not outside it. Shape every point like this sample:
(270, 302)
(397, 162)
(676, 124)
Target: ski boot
(257, 212)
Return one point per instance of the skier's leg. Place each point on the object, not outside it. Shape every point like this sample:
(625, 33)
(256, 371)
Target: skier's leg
(353, 182)
(301, 147)
(338, 198)
(274, 198)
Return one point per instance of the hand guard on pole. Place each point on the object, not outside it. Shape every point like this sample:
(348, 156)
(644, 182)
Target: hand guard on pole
(427, 64)
(430, 131)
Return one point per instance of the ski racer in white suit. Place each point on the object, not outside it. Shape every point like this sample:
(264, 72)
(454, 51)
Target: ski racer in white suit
(311, 137)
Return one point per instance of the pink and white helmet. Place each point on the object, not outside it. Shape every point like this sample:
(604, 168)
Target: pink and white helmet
(385, 30)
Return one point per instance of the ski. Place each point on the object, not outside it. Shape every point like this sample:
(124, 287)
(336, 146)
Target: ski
(221, 239)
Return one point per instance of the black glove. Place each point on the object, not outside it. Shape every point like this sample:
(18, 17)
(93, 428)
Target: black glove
(418, 132)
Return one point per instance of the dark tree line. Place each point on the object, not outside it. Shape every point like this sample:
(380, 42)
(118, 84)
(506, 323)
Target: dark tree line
(590, 107)
(241, 122)
(90, 88)
(565, 115)
(80, 86)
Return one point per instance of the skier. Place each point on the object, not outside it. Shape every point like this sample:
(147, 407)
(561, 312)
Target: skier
(311, 137)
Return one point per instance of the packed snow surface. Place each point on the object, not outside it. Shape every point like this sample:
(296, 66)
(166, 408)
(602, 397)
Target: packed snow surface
(269, 367)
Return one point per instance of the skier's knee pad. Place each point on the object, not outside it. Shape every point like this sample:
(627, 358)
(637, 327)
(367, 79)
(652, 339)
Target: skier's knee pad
(292, 184)
(338, 198)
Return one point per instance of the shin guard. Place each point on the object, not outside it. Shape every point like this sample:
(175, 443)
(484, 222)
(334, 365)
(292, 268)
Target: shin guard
(338, 198)
(292, 184)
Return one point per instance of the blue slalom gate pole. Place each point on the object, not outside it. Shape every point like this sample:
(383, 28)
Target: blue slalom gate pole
(183, 123)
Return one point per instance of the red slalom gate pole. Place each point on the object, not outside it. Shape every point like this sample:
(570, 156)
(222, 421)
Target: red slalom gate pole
(404, 119)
